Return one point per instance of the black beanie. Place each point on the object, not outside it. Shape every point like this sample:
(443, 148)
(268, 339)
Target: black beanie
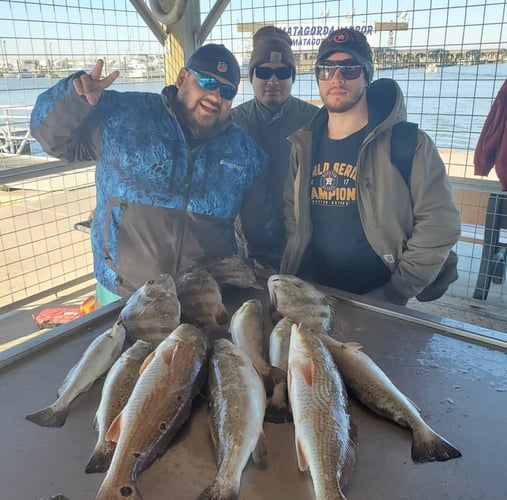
(271, 45)
(216, 60)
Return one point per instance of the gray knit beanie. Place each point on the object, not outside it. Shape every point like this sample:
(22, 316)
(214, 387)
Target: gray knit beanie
(271, 44)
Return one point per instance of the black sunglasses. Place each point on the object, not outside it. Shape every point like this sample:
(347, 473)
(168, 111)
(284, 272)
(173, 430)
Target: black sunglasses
(210, 83)
(265, 73)
(327, 70)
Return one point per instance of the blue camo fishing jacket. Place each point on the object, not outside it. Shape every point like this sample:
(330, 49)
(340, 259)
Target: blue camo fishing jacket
(160, 206)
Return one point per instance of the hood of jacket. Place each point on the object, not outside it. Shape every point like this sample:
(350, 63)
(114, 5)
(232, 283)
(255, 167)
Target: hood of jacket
(386, 107)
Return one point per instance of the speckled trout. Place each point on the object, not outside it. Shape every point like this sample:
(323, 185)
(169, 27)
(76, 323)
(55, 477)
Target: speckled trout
(237, 404)
(159, 405)
(300, 301)
(118, 386)
(366, 380)
(247, 332)
(98, 357)
(279, 341)
(153, 311)
(326, 439)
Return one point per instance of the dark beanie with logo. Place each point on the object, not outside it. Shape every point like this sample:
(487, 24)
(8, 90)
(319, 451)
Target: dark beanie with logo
(351, 42)
(271, 45)
(215, 59)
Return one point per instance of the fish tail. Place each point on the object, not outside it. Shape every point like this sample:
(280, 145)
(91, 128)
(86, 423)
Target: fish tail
(218, 490)
(52, 416)
(432, 448)
(100, 459)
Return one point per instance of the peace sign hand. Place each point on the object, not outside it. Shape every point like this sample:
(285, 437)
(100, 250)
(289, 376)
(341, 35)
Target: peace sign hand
(91, 86)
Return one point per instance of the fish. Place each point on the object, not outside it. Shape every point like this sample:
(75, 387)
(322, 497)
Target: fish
(98, 357)
(118, 386)
(237, 402)
(326, 438)
(279, 340)
(153, 311)
(370, 385)
(247, 332)
(300, 301)
(171, 376)
(233, 271)
(201, 300)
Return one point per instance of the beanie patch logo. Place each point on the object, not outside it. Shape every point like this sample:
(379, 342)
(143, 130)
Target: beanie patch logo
(275, 57)
(222, 67)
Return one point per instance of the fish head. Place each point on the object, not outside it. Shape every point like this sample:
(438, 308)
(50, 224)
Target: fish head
(158, 288)
(285, 287)
(139, 350)
(301, 339)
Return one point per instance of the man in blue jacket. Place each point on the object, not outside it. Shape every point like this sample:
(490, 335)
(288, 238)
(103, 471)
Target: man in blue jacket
(172, 169)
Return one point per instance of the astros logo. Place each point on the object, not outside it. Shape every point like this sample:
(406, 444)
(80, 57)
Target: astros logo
(329, 181)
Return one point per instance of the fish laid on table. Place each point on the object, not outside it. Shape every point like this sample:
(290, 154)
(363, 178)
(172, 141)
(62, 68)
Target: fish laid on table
(326, 438)
(160, 403)
(247, 332)
(366, 380)
(300, 301)
(237, 404)
(153, 311)
(118, 386)
(201, 300)
(279, 340)
(233, 271)
(95, 361)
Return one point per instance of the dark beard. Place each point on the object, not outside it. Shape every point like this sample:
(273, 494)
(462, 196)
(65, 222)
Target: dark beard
(191, 126)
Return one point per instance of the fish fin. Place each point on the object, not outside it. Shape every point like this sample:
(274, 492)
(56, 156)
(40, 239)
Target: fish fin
(100, 459)
(430, 447)
(114, 431)
(308, 371)
(146, 362)
(67, 380)
(168, 354)
(302, 462)
(260, 449)
(350, 455)
(355, 346)
(49, 417)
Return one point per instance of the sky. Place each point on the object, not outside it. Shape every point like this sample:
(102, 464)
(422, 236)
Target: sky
(52, 28)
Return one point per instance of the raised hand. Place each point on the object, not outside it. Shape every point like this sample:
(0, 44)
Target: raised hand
(91, 86)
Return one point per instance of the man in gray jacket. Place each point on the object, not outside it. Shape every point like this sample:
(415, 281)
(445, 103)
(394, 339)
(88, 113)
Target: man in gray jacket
(270, 117)
(352, 222)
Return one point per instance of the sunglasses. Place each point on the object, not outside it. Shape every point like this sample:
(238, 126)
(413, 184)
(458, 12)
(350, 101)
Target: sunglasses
(210, 83)
(327, 70)
(265, 73)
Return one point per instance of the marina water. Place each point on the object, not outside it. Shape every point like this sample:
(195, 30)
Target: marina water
(450, 104)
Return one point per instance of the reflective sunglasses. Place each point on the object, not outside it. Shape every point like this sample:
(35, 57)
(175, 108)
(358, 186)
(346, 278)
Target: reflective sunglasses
(327, 70)
(210, 83)
(265, 73)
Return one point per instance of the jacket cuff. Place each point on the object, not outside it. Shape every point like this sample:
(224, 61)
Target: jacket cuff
(392, 295)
